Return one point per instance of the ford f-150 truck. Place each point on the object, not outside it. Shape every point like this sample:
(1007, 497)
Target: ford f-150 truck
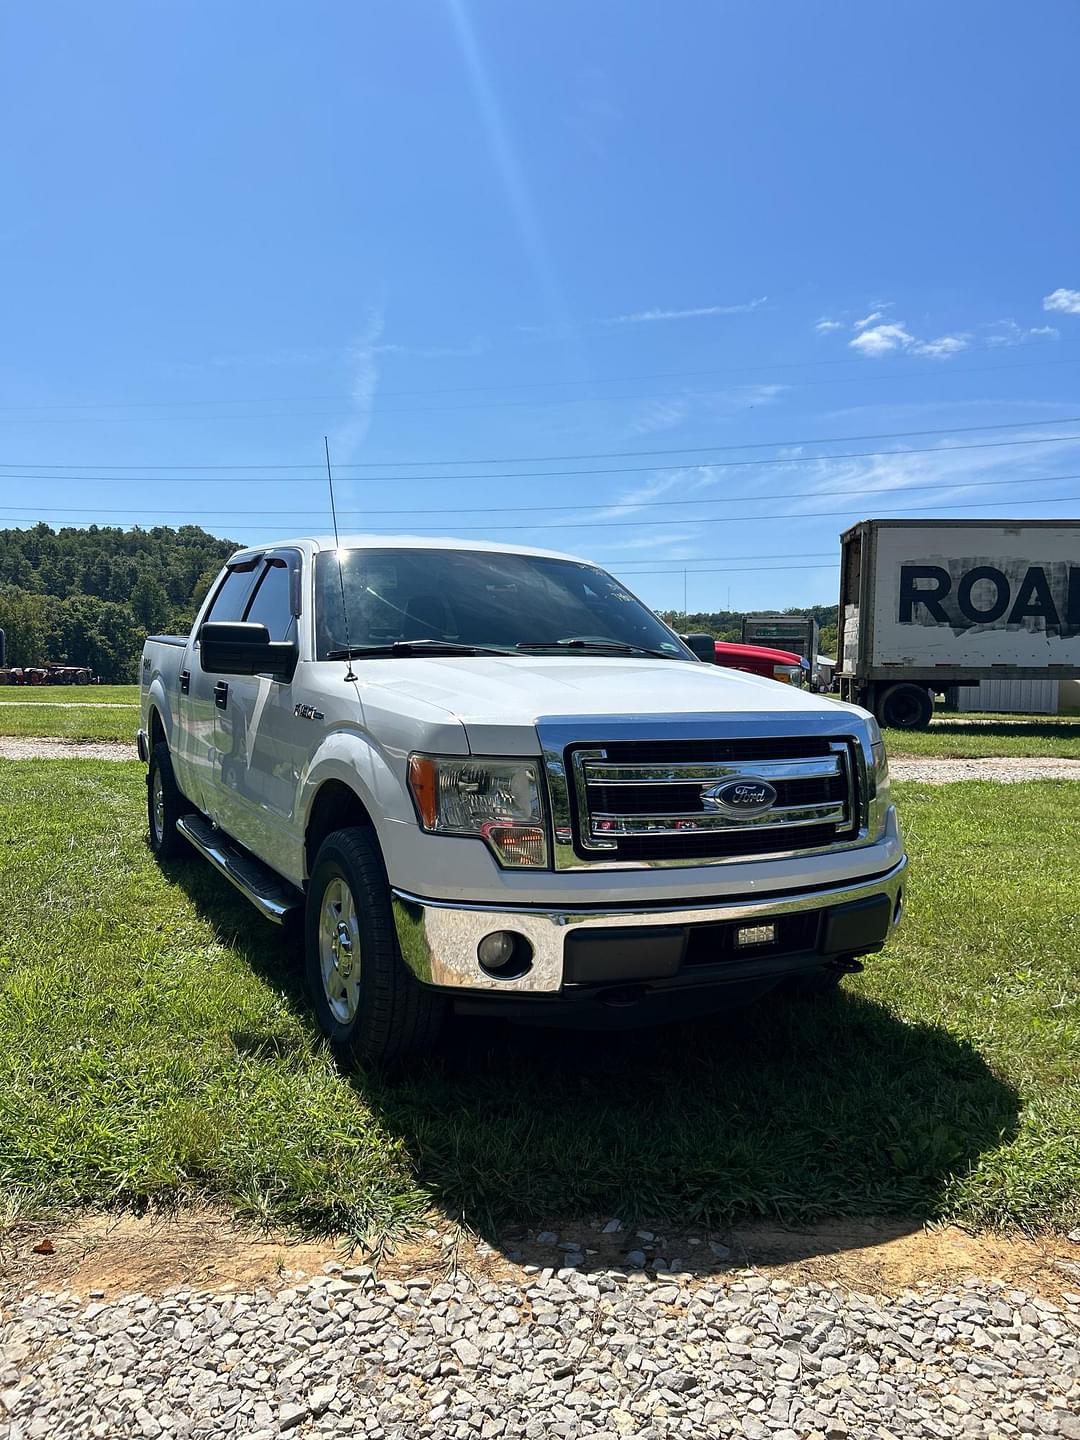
(488, 777)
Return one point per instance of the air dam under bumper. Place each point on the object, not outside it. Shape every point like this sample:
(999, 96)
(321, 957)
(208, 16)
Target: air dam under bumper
(700, 943)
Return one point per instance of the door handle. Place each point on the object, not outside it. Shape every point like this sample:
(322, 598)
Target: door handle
(185, 681)
(221, 694)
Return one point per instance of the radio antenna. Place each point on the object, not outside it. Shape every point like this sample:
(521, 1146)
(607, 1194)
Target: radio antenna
(349, 674)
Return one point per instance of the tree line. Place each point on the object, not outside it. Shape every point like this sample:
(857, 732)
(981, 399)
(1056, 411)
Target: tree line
(727, 624)
(91, 596)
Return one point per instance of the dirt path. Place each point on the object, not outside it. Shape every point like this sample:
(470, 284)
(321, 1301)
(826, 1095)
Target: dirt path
(934, 770)
(207, 1250)
(34, 747)
(73, 704)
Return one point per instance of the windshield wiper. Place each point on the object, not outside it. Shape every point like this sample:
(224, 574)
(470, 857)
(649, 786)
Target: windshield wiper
(414, 647)
(600, 647)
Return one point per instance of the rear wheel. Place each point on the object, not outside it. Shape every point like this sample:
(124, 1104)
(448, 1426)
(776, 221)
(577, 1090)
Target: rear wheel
(369, 1004)
(165, 804)
(904, 707)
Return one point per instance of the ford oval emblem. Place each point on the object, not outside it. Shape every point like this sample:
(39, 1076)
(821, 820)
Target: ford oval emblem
(740, 797)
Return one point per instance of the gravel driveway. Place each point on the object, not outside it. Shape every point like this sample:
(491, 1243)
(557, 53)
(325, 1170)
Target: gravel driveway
(566, 1354)
(44, 748)
(933, 770)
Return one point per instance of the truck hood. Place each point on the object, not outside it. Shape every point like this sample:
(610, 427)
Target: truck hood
(500, 700)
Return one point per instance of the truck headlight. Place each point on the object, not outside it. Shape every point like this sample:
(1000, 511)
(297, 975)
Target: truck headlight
(879, 768)
(877, 780)
(788, 674)
(498, 801)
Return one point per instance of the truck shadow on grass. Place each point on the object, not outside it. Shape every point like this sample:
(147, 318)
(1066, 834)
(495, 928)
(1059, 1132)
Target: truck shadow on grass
(788, 1111)
(1044, 729)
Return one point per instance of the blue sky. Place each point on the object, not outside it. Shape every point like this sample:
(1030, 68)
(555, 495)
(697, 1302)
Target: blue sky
(656, 239)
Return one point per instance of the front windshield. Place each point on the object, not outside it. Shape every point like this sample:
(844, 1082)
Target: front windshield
(478, 597)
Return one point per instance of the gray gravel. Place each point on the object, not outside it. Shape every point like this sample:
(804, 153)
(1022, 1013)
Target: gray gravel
(564, 1354)
(932, 770)
(37, 747)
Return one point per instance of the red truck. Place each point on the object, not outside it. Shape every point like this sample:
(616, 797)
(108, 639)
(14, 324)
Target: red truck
(782, 665)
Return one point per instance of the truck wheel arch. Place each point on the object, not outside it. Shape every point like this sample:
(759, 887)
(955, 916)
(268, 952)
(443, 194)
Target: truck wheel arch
(336, 806)
(156, 727)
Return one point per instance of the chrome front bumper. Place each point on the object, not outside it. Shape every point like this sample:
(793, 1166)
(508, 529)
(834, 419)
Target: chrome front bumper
(439, 941)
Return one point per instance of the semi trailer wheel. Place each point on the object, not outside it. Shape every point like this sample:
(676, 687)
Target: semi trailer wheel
(904, 707)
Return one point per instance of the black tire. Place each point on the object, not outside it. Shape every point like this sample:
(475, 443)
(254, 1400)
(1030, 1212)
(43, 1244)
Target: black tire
(905, 707)
(161, 820)
(380, 1011)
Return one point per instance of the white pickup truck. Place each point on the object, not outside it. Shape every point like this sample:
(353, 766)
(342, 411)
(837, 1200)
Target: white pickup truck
(489, 778)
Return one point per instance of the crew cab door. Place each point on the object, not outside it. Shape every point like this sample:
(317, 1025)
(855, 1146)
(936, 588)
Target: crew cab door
(258, 757)
(196, 751)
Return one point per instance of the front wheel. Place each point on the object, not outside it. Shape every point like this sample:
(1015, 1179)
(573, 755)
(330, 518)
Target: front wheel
(368, 1003)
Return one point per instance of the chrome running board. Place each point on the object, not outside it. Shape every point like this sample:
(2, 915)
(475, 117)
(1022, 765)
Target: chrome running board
(272, 896)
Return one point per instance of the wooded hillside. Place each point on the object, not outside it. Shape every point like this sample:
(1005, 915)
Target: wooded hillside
(727, 624)
(90, 597)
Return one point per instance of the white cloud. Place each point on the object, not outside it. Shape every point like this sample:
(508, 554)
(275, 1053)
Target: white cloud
(1008, 332)
(881, 339)
(825, 325)
(643, 317)
(362, 357)
(661, 415)
(935, 479)
(942, 347)
(1066, 301)
(478, 345)
(670, 411)
(874, 340)
(871, 319)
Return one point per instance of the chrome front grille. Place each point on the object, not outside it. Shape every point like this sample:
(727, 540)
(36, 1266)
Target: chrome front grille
(644, 802)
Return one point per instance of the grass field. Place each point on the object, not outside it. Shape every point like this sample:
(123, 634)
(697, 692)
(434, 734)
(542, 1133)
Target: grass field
(970, 736)
(155, 1044)
(71, 712)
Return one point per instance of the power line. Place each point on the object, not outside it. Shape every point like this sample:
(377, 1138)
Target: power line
(596, 504)
(586, 455)
(531, 404)
(727, 569)
(541, 474)
(442, 532)
(766, 366)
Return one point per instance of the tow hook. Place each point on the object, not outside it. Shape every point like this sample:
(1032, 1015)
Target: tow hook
(848, 965)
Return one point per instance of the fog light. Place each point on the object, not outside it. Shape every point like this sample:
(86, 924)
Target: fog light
(755, 935)
(495, 949)
(504, 955)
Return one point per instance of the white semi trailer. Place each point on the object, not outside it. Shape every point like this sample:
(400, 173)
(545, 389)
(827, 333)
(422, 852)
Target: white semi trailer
(928, 605)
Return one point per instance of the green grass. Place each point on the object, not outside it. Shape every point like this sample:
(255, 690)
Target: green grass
(82, 694)
(156, 1045)
(99, 712)
(959, 737)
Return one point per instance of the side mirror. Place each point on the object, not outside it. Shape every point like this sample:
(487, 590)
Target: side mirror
(233, 647)
(703, 646)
